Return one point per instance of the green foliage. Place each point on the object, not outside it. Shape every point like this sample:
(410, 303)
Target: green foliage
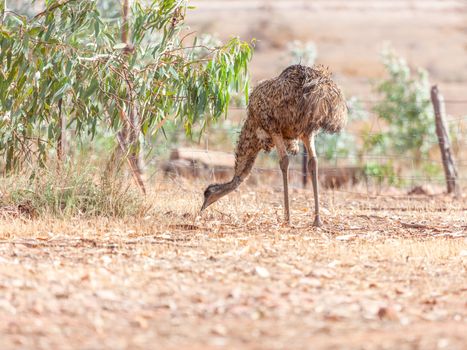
(71, 56)
(432, 170)
(343, 145)
(383, 173)
(71, 193)
(375, 142)
(406, 108)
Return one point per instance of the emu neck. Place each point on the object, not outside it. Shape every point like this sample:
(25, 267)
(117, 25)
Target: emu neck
(228, 187)
(248, 147)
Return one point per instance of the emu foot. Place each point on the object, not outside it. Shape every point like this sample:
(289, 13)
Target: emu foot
(317, 222)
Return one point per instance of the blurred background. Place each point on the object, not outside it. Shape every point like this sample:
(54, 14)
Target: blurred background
(386, 55)
(348, 36)
(366, 43)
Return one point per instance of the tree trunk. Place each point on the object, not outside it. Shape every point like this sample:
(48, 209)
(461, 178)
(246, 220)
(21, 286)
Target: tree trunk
(62, 141)
(127, 137)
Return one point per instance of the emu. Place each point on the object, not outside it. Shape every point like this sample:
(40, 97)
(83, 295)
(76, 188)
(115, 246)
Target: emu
(294, 106)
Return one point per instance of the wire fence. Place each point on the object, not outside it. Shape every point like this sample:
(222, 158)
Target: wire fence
(357, 172)
(370, 187)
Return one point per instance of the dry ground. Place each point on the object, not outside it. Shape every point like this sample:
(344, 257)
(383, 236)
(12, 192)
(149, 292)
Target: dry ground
(384, 273)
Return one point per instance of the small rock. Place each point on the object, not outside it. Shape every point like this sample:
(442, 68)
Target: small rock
(262, 272)
(334, 263)
(219, 330)
(235, 293)
(388, 313)
(312, 282)
(140, 322)
(322, 273)
(346, 237)
(325, 211)
(443, 343)
(421, 190)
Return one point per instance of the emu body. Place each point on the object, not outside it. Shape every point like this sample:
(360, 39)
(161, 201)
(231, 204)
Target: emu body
(294, 106)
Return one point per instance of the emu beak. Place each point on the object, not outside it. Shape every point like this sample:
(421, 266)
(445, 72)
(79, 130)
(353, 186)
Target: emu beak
(206, 204)
(208, 201)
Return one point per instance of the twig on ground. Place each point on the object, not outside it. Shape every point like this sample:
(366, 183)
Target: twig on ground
(410, 225)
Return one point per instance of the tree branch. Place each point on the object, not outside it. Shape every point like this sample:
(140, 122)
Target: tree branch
(52, 8)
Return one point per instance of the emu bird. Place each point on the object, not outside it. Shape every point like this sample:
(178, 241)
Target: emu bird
(294, 106)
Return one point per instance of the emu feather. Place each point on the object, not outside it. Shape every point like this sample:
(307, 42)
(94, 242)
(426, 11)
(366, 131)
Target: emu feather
(294, 106)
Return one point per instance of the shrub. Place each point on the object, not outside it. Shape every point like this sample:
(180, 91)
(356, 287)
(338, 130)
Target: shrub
(343, 145)
(406, 108)
(382, 173)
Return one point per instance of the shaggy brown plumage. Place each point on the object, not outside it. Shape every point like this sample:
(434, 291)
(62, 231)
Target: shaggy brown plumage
(293, 106)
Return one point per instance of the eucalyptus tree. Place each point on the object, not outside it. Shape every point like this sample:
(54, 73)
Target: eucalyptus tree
(69, 67)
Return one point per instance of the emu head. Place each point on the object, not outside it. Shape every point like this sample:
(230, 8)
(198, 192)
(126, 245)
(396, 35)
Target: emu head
(212, 194)
(216, 191)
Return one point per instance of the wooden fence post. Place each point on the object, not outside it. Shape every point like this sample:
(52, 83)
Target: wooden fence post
(444, 141)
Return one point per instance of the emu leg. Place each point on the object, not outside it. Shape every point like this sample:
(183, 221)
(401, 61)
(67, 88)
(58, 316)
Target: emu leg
(313, 164)
(284, 165)
(313, 169)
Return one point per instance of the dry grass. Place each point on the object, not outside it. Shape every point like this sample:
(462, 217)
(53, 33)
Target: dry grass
(236, 277)
(72, 191)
